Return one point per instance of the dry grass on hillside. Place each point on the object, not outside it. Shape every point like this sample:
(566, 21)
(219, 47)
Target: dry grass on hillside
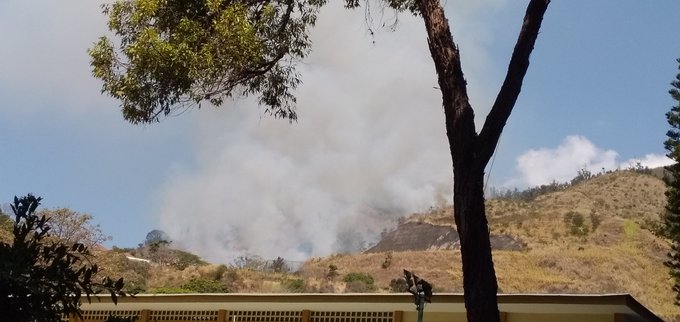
(595, 269)
(613, 249)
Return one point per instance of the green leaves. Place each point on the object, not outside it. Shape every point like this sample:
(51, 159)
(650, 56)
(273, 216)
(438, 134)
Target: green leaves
(42, 278)
(174, 54)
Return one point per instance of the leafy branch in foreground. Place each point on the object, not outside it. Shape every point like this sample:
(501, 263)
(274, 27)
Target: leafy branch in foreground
(174, 54)
(41, 278)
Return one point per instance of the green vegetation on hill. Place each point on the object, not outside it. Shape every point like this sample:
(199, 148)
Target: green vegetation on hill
(598, 235)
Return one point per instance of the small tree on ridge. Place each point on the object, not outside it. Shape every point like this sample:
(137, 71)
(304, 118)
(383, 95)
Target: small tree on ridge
(672, 179)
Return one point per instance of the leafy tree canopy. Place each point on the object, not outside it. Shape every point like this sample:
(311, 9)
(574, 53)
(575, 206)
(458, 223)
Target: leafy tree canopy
(42, 278)
(156, 238)
(175, 53)
(74, 227)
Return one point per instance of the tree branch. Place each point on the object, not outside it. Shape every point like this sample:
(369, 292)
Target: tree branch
(512, 86)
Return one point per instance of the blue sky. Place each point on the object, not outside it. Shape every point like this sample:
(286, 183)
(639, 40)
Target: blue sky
(369, 144)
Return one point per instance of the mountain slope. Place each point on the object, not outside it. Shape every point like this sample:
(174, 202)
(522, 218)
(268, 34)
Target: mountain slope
(593, 237)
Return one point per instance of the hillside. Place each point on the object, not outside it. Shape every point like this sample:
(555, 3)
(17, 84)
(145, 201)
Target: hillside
(593, 237)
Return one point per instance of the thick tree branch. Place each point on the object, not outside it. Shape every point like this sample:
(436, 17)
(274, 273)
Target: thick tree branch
(512, 86)
(458, 112)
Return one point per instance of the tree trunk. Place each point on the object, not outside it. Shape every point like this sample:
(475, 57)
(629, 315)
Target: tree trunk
(471, 152)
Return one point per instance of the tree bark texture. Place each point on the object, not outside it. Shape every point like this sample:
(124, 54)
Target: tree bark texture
(470, 152)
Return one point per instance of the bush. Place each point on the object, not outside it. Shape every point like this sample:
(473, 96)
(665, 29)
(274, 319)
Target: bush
(219, 272)
(279, 266)
(182, 260)
(398, 285)
(332, 272)
(576, 224)
(42, 278)
(359, 282)
(255, 263)
(595, 220)
(168, 290)
(203, 285)
(296, 285)
(388, 261)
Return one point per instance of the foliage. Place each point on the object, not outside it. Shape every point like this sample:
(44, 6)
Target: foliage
(332, 272)
(204, 285)
(672, 217)
(219, 272)
(168, 290)
(251, 262)
(156, 239)
(359, 282)
(135, 273)
(279, 265)
(398, 285)
(630, 229)
(582, 175)
(637, 167)
(6, 225)
(173, 54)
(43, 278)
(595, 220)
(123, 250)
(182, 259)
(295, 285)
(156, 247)
(528, 194)
(576, 224)
(388, 261)
(74, 227)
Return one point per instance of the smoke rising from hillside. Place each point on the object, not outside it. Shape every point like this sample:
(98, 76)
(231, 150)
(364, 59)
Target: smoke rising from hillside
(369, 146)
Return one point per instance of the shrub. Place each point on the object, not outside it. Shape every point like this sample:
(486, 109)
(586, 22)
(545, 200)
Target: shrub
(279, 265)
(296, 285)
(168, 290)
(595, 220)
(388, 261)
(182, 260)
(576, 224)
(42, 278)
(219, 272)
(255, 263)
(332, 272)
(203, 285)
(398, 285)
(359, 282)
(582, 175)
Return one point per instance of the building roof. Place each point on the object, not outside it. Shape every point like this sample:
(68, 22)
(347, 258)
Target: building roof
(607, 304)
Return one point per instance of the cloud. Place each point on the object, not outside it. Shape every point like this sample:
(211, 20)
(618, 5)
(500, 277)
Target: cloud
(369, 147)
(649, 161)
(561, 164)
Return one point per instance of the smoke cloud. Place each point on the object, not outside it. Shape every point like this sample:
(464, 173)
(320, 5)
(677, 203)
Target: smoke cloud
(369, 147)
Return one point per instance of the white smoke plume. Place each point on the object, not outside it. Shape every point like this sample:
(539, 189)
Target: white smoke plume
(561, 164)
(370, 145)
